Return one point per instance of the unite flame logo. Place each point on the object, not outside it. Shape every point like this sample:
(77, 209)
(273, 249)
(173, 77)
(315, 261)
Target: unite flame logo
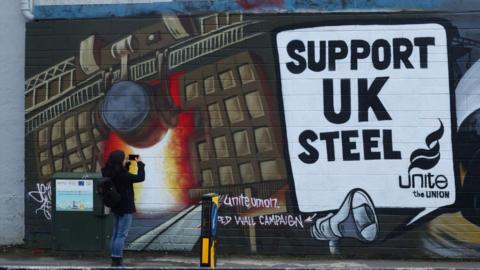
(426, 159)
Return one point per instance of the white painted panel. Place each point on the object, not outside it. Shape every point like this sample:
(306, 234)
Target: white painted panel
(410, 116)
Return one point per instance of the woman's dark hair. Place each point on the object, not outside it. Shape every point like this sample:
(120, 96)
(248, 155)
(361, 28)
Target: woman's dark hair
(114, 164)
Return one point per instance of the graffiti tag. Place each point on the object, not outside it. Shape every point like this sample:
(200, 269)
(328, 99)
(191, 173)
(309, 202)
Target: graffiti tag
(294, 221)
(249, 202)
(43, 196)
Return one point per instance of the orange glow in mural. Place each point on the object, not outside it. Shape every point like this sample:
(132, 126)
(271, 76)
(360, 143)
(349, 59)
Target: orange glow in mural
(114, 142)
(168, 169)
(181, 179)
(174, 87)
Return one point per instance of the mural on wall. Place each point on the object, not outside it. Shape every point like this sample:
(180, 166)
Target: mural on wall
(321, 134)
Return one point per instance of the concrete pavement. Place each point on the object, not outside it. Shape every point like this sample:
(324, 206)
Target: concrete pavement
(27, 259)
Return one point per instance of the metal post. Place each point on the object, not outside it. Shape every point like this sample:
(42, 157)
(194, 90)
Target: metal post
(208, 256)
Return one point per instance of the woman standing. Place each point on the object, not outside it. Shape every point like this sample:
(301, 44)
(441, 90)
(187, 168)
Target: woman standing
(123, 211)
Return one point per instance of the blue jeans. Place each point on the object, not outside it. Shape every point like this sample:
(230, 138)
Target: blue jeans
(121, 226)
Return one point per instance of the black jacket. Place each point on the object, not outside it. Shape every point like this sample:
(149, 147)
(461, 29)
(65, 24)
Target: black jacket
(124, 183)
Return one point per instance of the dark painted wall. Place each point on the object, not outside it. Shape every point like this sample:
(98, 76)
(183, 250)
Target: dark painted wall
(340, 133)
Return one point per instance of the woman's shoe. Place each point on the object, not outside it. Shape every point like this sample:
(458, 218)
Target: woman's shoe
(117, 261)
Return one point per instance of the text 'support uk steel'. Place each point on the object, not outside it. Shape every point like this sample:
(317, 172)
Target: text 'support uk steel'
(343, 133)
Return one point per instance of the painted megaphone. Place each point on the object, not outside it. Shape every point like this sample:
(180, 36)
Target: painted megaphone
(356, 218)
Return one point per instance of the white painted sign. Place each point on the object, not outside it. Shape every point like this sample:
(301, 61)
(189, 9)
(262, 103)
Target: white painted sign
(74, 195)
(368, 106)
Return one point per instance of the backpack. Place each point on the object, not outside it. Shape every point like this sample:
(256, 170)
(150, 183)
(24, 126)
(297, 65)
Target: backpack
(106, 188)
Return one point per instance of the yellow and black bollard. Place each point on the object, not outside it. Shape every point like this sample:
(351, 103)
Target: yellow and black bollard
(208, 256)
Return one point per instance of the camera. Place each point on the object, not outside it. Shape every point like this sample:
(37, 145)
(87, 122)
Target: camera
(133, 157)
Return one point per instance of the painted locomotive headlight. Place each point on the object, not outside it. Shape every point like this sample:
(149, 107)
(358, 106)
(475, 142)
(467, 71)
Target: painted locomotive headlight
(467, 144)
(129, 110)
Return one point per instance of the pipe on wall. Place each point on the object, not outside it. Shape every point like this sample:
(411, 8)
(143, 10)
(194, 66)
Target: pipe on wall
(27, 8)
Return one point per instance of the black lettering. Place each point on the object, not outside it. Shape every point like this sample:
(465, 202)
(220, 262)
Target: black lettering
(356, 54)
(423, 44)
(345, 107)
(387, 54)
(400, 182)
(368, 144)
(400, 55)
(313, 65)
(329, 138)
(441, 181)
(334, 55)
(388, 146)
(368, 97)
(419, 177)
(348, 145)
(293, 47)
(428, 180)
(312, 155)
